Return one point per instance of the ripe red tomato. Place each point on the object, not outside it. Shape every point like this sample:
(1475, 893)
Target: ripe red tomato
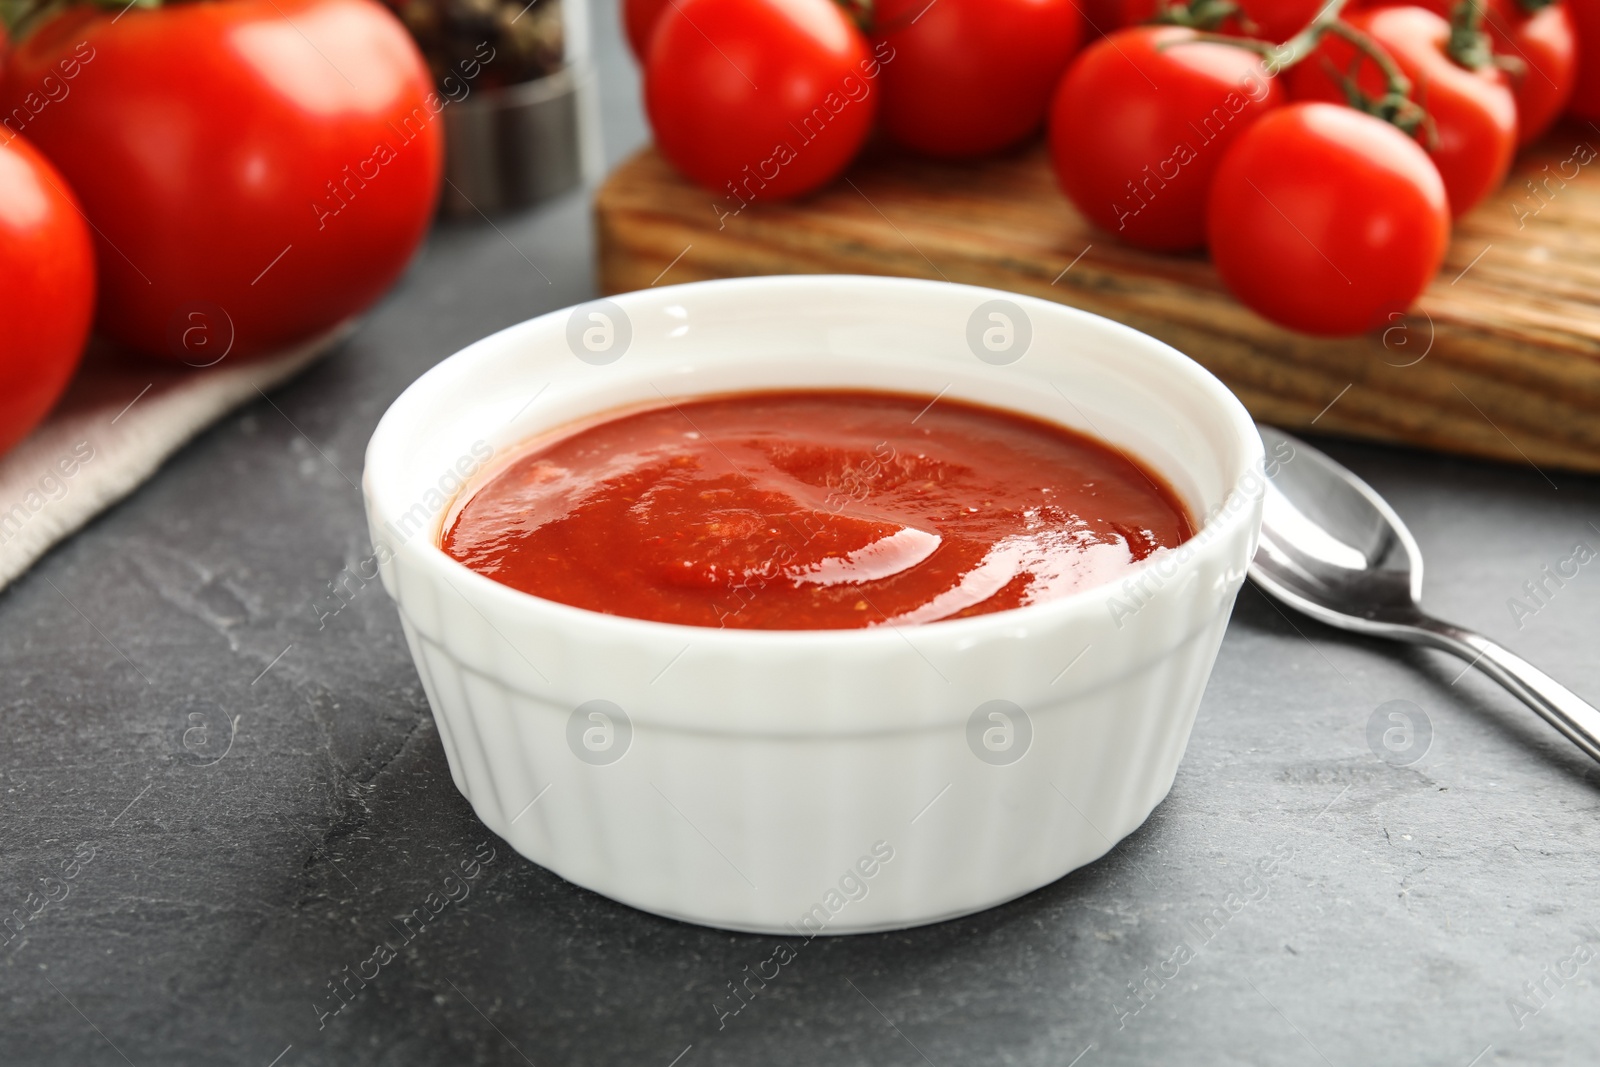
(257, 170)
(1140, 123)
(1473, 111)
(1327, 220)
(1585, 104)
(1279, 20)
(1545, 42)
(639, 21)
(969, 77)
(47, 276)
(759, 99)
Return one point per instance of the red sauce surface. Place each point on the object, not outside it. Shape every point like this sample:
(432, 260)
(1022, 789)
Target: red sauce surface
(814, 510)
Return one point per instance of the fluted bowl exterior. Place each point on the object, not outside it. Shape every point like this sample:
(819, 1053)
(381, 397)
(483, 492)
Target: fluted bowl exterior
(815, 781)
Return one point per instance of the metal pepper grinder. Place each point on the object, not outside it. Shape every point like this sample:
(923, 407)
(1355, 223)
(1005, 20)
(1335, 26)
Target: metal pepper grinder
(518, 91)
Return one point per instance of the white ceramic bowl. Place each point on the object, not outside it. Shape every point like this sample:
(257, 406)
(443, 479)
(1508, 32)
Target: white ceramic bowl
(816, 781)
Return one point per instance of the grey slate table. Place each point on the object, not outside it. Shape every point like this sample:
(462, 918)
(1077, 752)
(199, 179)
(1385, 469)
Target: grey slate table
(247, 804)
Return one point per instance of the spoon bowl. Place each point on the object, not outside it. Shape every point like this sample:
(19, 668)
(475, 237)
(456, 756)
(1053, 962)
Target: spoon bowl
(1333, 549)
(1331, 546)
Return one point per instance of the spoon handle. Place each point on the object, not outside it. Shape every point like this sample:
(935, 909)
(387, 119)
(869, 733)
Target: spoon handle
(1559, 706)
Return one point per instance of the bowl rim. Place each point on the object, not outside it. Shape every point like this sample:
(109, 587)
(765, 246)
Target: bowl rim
(1213, 529)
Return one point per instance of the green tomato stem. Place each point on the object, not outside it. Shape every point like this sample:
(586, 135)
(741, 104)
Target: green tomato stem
(1277, 58)
(860, 12)
(1469, 44)
(1395, 106)
(1297, 48)
(20, 17)
(1195, 14)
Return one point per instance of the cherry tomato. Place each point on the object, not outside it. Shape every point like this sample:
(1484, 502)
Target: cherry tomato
(1140, 123)
(1279, 20)
(1473, 113)
(759, 99)
(257, 170)
(969, 77)
(1547, 44)
(1544, 42)
(639, 22)
(47, 276)
(1585, 104)
(1327, 220)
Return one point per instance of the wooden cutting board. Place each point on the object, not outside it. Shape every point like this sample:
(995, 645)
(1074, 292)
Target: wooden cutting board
(1500, 358)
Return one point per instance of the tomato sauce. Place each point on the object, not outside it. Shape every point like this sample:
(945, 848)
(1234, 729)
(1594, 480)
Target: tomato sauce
(814, 510)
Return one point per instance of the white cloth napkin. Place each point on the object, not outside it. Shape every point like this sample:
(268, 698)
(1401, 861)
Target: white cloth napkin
(120, 420)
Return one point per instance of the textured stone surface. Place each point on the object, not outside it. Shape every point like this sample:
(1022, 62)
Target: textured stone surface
(228, 885)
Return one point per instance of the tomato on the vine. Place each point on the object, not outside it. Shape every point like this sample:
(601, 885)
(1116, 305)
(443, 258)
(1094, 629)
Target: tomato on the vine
(969, 77)
(1472, 132)
(759, 99)
(47, 276)
(1585, 103)
(1141, 122)
(1543, 43)
(257, 171)
(1546, 43)
(1327, 220)
(639, 22)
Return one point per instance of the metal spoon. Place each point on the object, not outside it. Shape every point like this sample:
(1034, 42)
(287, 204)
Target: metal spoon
(1333, 549)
